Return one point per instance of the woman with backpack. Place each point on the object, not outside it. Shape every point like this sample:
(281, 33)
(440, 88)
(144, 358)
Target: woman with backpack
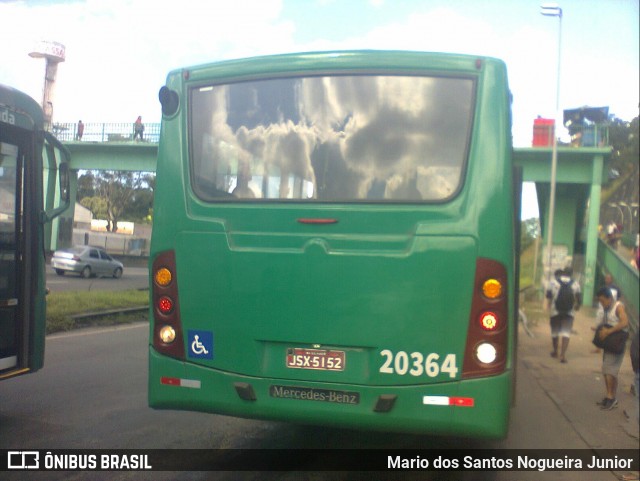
(564, 297)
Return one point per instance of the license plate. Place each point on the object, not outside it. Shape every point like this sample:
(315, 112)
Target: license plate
(318, 359)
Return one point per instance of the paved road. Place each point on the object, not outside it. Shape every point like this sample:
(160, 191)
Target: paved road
(132, 278)
(92, 394)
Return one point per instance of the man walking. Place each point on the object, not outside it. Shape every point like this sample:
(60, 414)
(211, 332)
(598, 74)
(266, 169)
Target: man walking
(565, 298)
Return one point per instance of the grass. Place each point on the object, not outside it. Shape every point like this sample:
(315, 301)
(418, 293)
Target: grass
(62, 306)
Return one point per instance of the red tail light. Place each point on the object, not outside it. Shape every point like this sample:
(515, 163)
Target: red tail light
(167, 330)
(165, 305)
(489, 321)
(487, 334)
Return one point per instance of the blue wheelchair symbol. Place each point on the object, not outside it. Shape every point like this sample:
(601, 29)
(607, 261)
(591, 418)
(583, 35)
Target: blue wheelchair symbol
(200, 344)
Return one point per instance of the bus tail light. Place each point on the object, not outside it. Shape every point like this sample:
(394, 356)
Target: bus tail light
(162, 277)
(167, 334)
(165, 305)
(167, 329)
(486, 353)
(487, 334)
(489, 321)
(492, 288)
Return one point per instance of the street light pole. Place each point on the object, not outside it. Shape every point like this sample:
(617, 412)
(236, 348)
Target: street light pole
(624, 204)
(53, 53)
(553, 10)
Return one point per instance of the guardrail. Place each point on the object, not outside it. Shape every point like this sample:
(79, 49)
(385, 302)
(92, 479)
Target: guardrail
(104, 132)
(625, 276)
(86, 316)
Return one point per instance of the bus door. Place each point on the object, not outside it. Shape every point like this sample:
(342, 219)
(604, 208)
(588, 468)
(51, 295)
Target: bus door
(11, 187)
(23, 145)
(22, 220)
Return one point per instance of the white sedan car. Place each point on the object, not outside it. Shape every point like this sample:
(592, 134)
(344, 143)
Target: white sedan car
(87, 261)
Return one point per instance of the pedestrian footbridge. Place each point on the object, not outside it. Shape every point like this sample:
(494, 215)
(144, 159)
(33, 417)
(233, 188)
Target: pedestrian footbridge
(580, 173)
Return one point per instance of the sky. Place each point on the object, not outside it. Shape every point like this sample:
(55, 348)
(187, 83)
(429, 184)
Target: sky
(118, 52)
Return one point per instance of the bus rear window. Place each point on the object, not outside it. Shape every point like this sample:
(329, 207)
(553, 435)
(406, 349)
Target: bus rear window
(364, 138)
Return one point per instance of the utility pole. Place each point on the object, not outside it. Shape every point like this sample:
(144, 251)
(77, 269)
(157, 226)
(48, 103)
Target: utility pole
(553, 10)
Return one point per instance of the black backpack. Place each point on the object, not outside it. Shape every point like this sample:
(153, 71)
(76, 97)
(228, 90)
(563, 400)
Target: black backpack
(565, 299)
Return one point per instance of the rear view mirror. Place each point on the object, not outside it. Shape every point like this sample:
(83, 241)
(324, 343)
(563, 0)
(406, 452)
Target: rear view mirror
(169, 100)
(63, 171)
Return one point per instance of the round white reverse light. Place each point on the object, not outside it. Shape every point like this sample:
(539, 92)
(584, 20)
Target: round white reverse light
(486, 353)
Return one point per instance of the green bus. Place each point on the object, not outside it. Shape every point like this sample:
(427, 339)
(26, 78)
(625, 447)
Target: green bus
(334, 242)
(29, 157)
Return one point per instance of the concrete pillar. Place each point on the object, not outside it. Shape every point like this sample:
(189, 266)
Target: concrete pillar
(592, 231)
(564, 228)
(64, 222)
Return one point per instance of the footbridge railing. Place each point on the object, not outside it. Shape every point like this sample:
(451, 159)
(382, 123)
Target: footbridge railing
(625, 276)
(104, 132)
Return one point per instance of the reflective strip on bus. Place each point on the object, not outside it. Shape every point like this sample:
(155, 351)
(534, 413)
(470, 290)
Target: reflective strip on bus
(448, 401)
(174, 381)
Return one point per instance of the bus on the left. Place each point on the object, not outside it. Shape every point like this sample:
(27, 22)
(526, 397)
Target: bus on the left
(30, 160)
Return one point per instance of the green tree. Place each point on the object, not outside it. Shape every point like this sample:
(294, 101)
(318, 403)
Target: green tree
(117, 188)
(624, 139)
(622, 186)
(529, 231)
(117, 195)
(86, 183)
(139, 208)
(97, 206)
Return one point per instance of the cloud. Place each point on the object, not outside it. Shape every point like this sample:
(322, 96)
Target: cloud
(119, 52)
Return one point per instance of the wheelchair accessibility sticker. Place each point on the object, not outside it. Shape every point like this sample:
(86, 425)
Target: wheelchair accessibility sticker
(201, 344)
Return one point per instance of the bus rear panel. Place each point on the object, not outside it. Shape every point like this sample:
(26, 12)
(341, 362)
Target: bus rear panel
(333, 242)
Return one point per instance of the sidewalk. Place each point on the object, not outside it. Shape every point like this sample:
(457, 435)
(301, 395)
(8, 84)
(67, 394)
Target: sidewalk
(576, 386)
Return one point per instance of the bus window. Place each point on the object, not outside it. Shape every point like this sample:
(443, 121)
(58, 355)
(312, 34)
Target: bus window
(340, 138)
(10, 185)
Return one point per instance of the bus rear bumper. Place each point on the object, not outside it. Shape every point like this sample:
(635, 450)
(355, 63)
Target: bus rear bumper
(469, 408)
